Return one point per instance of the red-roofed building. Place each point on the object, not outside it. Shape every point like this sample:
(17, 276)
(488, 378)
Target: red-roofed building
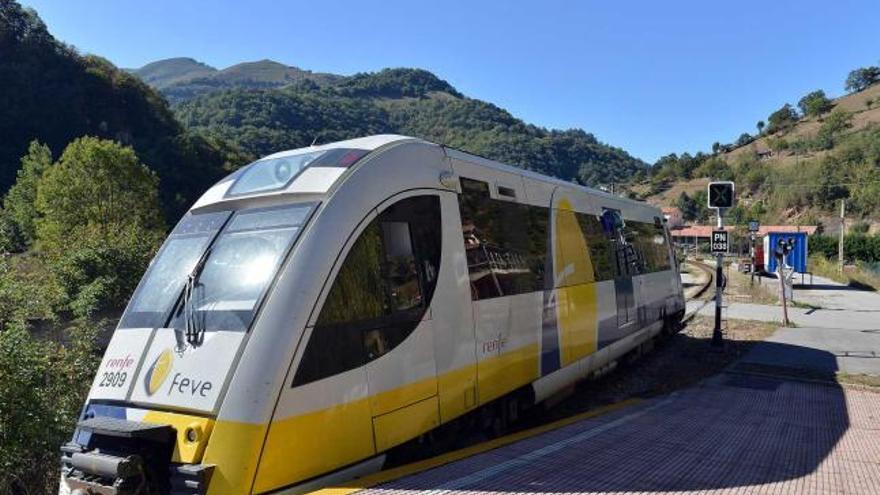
(691, 235)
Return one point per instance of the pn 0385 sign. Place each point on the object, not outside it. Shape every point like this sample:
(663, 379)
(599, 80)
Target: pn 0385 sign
(720, 242)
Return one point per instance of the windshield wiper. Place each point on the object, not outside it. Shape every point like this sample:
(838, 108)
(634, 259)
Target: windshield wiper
(194, 328)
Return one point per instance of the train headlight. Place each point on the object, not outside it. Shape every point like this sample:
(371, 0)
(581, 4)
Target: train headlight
(283, 171)
(193, 434)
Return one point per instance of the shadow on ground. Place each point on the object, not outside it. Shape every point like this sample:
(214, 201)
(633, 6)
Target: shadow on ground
(753, 424)
(858, 288)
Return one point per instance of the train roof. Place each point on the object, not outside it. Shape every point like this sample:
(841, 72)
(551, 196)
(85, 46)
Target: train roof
(318, 180)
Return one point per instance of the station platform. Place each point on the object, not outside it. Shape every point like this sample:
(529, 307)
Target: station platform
(734, 433)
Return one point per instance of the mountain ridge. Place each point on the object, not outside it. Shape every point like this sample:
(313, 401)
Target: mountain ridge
(264, 106)
(183, 78)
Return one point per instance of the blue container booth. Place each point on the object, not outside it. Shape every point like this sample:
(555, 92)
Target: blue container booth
(796, 258)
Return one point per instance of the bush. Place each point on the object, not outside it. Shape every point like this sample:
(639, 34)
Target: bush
(101, 272)
(777, 144)
(714, 168)
(29, 291)
(856, 247)
(42, 387)
(823, 245)
(838, 121)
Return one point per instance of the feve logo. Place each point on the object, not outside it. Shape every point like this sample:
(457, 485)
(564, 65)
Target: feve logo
(158, 372)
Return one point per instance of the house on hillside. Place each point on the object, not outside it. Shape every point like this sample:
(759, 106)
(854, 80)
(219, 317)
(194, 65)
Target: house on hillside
(673, 216)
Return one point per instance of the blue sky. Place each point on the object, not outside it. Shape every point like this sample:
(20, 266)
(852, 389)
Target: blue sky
(650, 77)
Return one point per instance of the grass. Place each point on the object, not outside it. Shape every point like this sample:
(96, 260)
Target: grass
(856, 275)
(804, 305)
(741, 289)
(858, 379)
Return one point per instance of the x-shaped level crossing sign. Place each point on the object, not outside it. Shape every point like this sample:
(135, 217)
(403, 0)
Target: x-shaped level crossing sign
(721, 194)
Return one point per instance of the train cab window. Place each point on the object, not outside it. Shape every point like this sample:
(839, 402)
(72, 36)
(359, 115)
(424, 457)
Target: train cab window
(381, 292)
(400, 267)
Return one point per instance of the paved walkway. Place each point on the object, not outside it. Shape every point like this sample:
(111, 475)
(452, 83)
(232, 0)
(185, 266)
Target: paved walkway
(736, 433)
(828, 294)
(844, 335)
(864, 319)
(820, 352)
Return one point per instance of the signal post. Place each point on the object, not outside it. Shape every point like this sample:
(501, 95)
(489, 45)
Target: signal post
(720, 197)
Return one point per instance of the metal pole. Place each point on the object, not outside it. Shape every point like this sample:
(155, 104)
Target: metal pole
(781, 274)
(717, 337)
(752, 259)
(840, 242)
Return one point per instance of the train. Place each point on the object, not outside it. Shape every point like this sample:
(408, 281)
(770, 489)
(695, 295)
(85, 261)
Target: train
(322, 307)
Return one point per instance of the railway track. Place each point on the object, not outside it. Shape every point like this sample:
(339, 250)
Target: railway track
(710, 277)
(699, 294)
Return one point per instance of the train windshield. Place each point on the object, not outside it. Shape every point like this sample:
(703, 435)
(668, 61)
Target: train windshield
(165, 278)
(238, 266)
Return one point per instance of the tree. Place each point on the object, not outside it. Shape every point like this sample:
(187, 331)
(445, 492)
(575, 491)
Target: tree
(716, 147)
(100, 222)
(744, 139)
(19, 201)
(837, 121)
(814, 104)
(97, 184)
(690, 210)
(714, 168)
(760, 126)
(782, 119)
(859, 79)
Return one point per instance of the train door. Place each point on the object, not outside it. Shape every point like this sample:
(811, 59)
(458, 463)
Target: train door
(455, 349)
(625, 258)
(401, 369)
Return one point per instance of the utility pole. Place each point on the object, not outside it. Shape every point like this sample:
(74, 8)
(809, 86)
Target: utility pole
(840, 242)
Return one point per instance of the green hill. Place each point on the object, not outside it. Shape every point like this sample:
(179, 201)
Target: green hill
(51, 93)
(406, 101)
(796, 170)
(164, 73)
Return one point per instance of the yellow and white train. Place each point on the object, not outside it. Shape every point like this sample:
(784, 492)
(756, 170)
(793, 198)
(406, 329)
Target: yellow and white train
(322, 306)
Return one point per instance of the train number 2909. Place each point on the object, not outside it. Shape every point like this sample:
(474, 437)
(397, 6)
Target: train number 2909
(113, 379)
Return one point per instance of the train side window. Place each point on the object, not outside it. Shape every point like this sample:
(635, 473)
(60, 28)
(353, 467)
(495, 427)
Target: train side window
(381, 291)
(601, 251)
(505, 243)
